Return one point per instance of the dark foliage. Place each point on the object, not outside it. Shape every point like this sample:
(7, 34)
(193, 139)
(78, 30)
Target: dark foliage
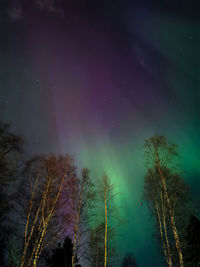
(129, 261)
(192, 248)
(62, 255)
(10, 151)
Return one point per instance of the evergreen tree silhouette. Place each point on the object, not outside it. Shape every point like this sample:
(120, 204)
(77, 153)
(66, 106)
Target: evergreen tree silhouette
(192, 247)
(62, 255)
(129, 261)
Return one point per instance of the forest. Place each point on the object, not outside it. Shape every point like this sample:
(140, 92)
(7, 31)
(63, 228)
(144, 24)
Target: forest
(52, 214)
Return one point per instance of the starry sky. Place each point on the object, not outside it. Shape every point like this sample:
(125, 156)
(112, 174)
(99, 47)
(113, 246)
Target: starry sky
(95, 79)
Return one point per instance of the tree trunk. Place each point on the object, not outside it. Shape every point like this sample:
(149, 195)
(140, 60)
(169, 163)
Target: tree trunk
(106, 229)
(166, 251)
(167, 243)
(77, 225)
(97, 257)
(172, 220)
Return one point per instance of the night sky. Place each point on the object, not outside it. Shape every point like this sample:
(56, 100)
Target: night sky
(95, 79)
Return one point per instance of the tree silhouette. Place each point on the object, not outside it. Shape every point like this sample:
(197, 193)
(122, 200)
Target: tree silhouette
(191, 251)
(10, 153)
(166, 194)
(96, 245)
(83, 201)
(129, 261)
(62, 255)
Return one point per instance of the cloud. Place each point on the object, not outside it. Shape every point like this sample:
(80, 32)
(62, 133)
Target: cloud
(15, 13)
(143, 58)
(50, 6)
(45, 3)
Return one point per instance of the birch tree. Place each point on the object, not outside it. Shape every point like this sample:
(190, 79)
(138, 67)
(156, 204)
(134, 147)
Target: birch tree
(166, 194)
(107, 216)
(83, 202)
(49, 179)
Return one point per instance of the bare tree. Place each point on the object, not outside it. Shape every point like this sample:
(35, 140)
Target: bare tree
(49, 180)
(97, 245)
(83, 202)
(165, 193)
(107, 216)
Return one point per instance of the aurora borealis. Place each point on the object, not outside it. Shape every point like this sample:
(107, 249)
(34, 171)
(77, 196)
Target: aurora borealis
(94, 79)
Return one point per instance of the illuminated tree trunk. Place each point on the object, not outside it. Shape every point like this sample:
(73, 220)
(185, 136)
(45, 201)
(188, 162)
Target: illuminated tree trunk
(34, 249)
(166, 250)
(163, 223)
(106, 228)
(164, 237)
(160, 154)
(38, 247)
(27, 237)
(46, 221)
(167, 242)
(172, 220)
(108, 213)
(42, 204)
(77, 225)
(28, 240)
